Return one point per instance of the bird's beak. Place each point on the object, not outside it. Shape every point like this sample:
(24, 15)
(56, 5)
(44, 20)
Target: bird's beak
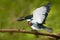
(20, 19)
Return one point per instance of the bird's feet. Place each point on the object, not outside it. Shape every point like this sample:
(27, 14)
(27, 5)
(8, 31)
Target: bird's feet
(35, 31)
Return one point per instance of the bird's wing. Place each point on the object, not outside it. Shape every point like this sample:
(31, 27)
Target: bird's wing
(39, 14)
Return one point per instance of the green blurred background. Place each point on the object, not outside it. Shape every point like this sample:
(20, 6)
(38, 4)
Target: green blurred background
(10, 10)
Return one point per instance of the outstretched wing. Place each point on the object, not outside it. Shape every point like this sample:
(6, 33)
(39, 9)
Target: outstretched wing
(40, 14)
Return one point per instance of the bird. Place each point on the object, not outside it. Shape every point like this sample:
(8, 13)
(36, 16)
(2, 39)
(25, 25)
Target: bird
(38, 18)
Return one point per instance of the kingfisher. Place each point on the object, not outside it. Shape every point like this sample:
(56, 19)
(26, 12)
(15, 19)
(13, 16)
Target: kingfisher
(38, 18)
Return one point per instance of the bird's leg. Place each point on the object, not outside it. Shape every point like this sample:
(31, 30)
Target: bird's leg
(31, 28)
(35, 31)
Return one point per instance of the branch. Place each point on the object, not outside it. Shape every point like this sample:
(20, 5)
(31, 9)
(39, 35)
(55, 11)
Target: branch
(29, 32)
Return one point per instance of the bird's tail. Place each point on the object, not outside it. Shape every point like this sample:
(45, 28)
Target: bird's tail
(50, 30)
